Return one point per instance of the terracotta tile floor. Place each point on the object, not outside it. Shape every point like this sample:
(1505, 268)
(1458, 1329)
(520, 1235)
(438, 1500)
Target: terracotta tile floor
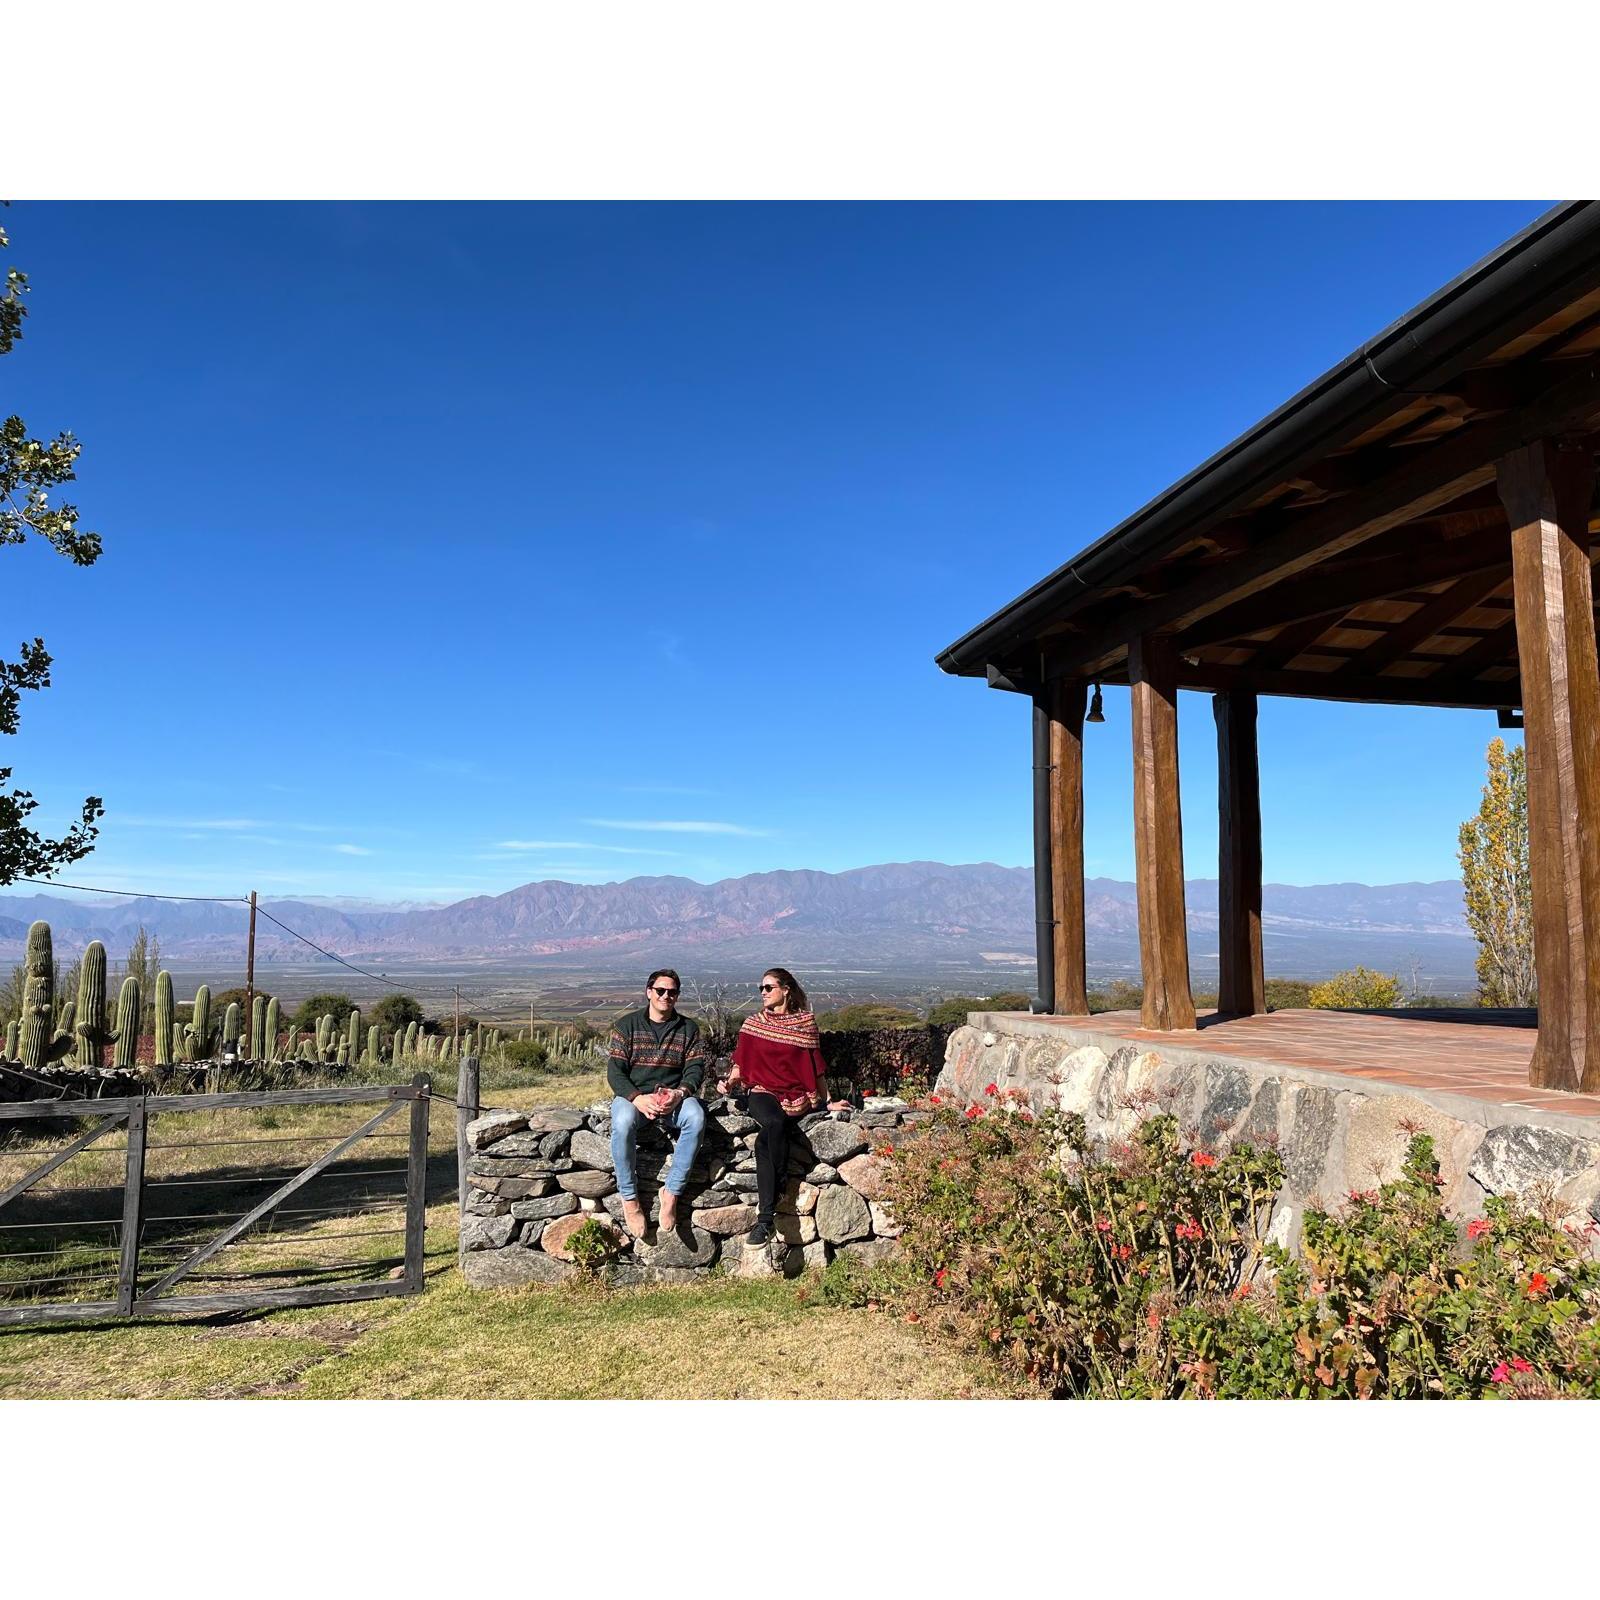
(1484, 1054)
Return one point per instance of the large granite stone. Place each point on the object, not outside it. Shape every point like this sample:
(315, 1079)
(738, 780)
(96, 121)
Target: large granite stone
(552, 1205)
(508, 1167)
(487, 1233)
(590, 1184)
(726, 1220)
(833, 1142)
(1514, 1158)
(510, 1188)
(553, 1146)
(883, 1224)
(529, 1146)
(480, 1204)
(868, 1252)
(591, 1150)
(731, 1122)
(799, 1198)
(683, 1247)
(794, 1229)
(1226, 1097)
(493, 1128)
(842, 1214)
(1260, 1128)
(511, 1267)
(1313, 1120)
(555, 1119)
(865, 1174)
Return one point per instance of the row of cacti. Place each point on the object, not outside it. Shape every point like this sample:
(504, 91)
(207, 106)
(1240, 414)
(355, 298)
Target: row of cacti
(37, 1040)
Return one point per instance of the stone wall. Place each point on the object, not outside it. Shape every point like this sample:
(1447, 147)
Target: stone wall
(534, 1178)
(1336, 1133)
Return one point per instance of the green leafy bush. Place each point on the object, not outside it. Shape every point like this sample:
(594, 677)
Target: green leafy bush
(592, 1246)
(1143, 1270)
(1357, 990)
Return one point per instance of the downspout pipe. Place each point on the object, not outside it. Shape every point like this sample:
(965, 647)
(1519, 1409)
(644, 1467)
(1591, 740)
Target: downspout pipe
(1043, 876)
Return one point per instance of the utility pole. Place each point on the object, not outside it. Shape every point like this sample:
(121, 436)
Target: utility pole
(458, 1021)
(250, 965)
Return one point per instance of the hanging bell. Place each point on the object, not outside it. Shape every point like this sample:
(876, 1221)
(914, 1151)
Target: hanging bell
(1096, 709)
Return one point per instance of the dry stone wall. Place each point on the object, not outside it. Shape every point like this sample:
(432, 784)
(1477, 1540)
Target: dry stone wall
(534, 1178)
(1333, 1136)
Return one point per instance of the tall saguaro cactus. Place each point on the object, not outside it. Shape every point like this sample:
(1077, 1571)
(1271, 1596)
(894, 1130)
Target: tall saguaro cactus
(199, 1038)
(129, 1012)
(325, 1038)
(273, 1011)
(38, 1044)
(352, 1037)
(91, 1030)
(13, 1033)
(163, 1055)
(258, 1028)
(372, 1044)
(230, 1024)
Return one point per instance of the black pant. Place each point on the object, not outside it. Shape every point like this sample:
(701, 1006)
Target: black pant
(772, 1151)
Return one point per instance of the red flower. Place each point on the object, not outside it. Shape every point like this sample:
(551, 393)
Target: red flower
(885, 1150)
(1103, 1224)
(1203, 1158)
(938, 1278)
(990, 1088)
(1500, 1375)
(1538, 1285)
(1478, 1227)
(1519, 1365)
(1190, 1230)
(1122, 1251)
(974, 1111)
(935, 1100)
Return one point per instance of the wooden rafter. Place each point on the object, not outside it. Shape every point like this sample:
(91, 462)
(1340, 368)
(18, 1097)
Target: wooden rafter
(1427, 620)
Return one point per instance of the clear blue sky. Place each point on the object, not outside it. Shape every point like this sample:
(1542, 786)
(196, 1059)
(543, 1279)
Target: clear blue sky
(449, 547)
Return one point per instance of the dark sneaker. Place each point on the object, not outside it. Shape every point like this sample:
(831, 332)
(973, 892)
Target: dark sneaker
(759, 1234)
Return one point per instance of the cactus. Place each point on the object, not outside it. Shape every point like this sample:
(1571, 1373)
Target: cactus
(325, 1037)
(258, 1028)
(91, 1028)
(411, 1039)
(342, 1058)
(129, 1012)
(308, 1051)
(37, 1044)
(12, 1033)
(230, 1024)
(163, 1023)
(352, 1036)
(372, 1044)
(199, 1037)
(273, 1010)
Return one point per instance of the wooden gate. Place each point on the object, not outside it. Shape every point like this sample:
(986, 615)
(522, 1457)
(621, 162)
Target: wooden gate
(145, 1278)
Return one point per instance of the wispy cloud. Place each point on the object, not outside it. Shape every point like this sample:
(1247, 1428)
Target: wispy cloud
(221, 824)
(678, 827)
(575, 844)
(352, 850)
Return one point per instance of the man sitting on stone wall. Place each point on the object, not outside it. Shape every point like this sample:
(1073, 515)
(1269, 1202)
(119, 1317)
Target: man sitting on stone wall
(657, 1062)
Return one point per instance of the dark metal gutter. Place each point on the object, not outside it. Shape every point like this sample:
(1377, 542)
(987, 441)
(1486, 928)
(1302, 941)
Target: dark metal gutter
(1511, 289)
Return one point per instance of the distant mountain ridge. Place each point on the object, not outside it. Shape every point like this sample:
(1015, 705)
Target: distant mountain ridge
(909, 914)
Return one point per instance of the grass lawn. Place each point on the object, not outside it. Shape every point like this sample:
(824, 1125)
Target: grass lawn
(724, 1339)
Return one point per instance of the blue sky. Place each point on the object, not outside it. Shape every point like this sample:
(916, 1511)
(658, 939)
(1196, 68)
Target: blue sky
(451, 546)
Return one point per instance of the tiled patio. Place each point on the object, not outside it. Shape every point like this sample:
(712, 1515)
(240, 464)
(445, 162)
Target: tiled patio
(1482, 1054)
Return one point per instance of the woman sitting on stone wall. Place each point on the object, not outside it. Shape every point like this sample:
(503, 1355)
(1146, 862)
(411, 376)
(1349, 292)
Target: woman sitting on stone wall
(777, 1062)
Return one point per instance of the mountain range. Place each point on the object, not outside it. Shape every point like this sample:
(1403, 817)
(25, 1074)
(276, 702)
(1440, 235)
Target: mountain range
(905, 916)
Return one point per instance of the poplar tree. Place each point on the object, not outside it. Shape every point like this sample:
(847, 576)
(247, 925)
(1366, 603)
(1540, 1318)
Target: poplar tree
(1499, 891)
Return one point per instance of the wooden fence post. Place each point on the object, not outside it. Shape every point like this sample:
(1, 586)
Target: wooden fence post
(417, 1184)
(132, 1211)
(466, 1111)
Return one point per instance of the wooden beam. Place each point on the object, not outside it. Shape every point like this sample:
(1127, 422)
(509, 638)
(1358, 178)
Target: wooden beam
(1158, 836)
(1387, 691)
(1066, 847)
(1331, 593)
(1546, 491)
(1403, 637)
(1242, 985)
(1430, 476)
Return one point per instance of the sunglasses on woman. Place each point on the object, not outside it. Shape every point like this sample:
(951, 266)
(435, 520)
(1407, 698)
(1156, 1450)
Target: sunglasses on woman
(767, 988)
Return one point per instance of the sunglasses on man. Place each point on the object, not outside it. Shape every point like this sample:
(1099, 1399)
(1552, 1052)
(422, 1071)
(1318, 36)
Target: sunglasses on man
(665, 994)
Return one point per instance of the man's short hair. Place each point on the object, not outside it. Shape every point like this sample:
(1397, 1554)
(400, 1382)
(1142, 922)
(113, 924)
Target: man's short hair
(662, 972)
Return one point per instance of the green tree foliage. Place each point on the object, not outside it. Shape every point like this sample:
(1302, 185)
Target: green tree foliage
(953, 1012)
(1493, 848)
(850, 1019)
(396, 1011)
(1357, 990)
(29, 469)
(339, 1006)
(144, 963)
(1287, 994)
(1118, 995)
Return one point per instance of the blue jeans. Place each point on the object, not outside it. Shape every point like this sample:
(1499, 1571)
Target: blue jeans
(689, 1119)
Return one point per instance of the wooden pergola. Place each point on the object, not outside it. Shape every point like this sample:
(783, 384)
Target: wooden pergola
(1414, 528)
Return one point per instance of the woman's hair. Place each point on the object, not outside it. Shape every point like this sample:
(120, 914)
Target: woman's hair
(797, 995)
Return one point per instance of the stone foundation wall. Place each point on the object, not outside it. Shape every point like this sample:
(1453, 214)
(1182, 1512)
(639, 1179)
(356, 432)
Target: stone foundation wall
(534, 1178)
(1335, 1133)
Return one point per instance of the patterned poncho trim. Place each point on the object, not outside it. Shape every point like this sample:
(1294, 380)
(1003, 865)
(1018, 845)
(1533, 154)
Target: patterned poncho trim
(798, 1029)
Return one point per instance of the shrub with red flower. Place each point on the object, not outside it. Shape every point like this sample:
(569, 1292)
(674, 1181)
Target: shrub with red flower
(1538, 1286)
(1478, 1227)
(1202, 1158)
(990, 1088)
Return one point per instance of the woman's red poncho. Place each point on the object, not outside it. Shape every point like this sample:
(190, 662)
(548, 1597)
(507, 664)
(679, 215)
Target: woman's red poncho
(781, 1054)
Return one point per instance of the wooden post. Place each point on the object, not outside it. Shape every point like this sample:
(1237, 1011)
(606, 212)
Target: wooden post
(1546, 492)
(132, 1211)
(1158, 835)
(250, 967)
(467, 1110)
(1066, 847)
(1241, 986)
(417, 1184)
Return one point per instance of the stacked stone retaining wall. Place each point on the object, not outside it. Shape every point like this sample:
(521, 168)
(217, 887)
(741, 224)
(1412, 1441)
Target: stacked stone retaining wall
(534, 1178)
(1335, 1133)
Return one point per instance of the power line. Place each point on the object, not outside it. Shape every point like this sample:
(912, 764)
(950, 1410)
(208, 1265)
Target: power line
(138, 894)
